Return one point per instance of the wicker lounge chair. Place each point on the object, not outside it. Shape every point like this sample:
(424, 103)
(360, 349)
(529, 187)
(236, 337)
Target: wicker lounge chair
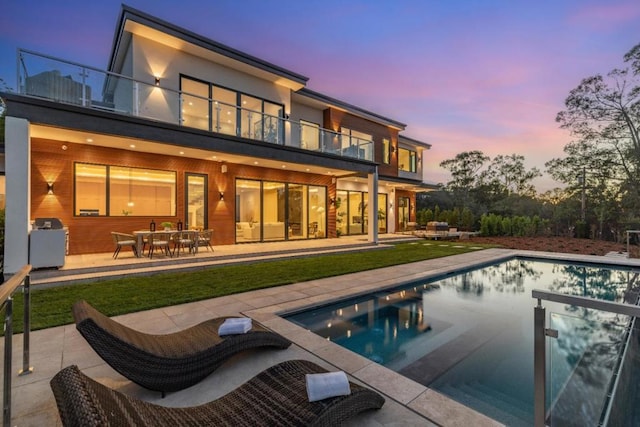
(275, 397)
(166, 362)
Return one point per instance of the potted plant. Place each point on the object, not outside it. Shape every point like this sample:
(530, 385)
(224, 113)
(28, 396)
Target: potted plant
(167, 225)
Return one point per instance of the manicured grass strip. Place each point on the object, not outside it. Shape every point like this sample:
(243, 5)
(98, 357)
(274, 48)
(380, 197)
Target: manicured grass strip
(52, 307)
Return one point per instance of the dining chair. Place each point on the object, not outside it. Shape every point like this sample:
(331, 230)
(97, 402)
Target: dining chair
(159, 241)
(182, 240)
(123, 239)
(204, 239)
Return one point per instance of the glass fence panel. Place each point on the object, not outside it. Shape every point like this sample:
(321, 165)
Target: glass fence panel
(268, 129)
(583, 361)
(623, 407)
(366, 149)
(295, 135)
(66, 82)
(58, 81)
(330, 142)
(225, 118)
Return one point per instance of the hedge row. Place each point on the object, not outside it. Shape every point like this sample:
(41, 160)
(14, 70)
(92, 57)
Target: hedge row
(496, 225)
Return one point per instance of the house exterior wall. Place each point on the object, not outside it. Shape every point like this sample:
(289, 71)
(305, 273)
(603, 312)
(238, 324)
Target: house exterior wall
(307, 113)
(92, 234)
(155, 59)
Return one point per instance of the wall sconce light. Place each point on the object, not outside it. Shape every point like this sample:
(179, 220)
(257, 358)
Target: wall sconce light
(332, 201)
(222, 196)
(157, 80)
(50, 187)
(223, 168)
(392, 149)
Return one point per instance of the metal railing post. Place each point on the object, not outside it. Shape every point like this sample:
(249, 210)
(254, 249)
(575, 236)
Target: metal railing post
(539, 365)
(26, 369)
(8, 337)
(136, 99)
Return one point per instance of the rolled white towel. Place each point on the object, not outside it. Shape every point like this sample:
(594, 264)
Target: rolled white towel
(330, 384)
(234, 326)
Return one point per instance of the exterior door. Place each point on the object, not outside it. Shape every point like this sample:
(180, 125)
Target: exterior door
(196, 212)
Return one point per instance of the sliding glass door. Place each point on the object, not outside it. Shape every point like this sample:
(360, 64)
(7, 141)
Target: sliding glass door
(271, 211)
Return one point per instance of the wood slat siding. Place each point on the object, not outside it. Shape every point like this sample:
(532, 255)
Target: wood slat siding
(336, 119)
(49, 162)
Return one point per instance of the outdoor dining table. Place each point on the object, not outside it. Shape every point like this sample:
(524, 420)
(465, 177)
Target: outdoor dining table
(141, 234)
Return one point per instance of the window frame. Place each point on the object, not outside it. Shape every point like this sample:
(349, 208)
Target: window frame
(108, 190)
(413, 162)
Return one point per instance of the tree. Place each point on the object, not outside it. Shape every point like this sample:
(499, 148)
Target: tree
(603, 114)
(509, 175)
(464, 170)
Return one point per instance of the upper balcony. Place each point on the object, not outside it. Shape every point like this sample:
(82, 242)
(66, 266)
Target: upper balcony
(67, 82)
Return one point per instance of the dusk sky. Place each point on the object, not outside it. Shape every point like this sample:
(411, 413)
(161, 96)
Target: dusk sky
(487, 75)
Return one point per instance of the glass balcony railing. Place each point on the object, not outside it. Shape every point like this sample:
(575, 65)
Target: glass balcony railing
(66, 82)
(586, 362)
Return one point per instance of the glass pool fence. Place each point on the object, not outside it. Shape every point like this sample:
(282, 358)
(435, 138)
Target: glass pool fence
(586, 361)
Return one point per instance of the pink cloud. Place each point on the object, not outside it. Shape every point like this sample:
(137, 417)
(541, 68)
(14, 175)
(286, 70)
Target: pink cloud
(606, 16)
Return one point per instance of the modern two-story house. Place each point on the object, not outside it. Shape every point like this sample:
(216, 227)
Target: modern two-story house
(183, 129)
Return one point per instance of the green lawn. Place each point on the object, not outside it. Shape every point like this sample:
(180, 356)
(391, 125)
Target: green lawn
(52, 307)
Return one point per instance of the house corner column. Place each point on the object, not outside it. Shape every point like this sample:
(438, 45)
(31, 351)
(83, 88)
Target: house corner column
(372, 228)
(18, 194)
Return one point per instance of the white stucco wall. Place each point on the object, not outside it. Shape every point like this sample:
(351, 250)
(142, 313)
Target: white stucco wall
(305, 112)
(154, 59)
(18, 206)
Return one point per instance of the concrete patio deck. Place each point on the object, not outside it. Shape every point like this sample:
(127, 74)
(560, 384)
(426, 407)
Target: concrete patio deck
(407, 402)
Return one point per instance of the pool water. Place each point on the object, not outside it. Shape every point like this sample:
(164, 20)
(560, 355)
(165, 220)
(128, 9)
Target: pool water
(470, 335)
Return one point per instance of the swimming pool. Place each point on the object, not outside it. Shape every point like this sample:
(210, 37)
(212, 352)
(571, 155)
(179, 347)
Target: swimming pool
(470, 335)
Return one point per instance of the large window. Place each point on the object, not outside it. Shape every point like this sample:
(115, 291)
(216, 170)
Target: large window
(224, 112)
(195, 108)
(123, 191)
(210, 107)
(279, 211)
(407, 160)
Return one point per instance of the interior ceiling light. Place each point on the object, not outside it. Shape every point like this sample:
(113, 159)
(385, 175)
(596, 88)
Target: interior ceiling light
(132, 146)
(182, 152)
(89, 140)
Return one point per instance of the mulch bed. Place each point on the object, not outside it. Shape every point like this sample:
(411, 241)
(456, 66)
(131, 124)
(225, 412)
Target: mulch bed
(554, 244)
